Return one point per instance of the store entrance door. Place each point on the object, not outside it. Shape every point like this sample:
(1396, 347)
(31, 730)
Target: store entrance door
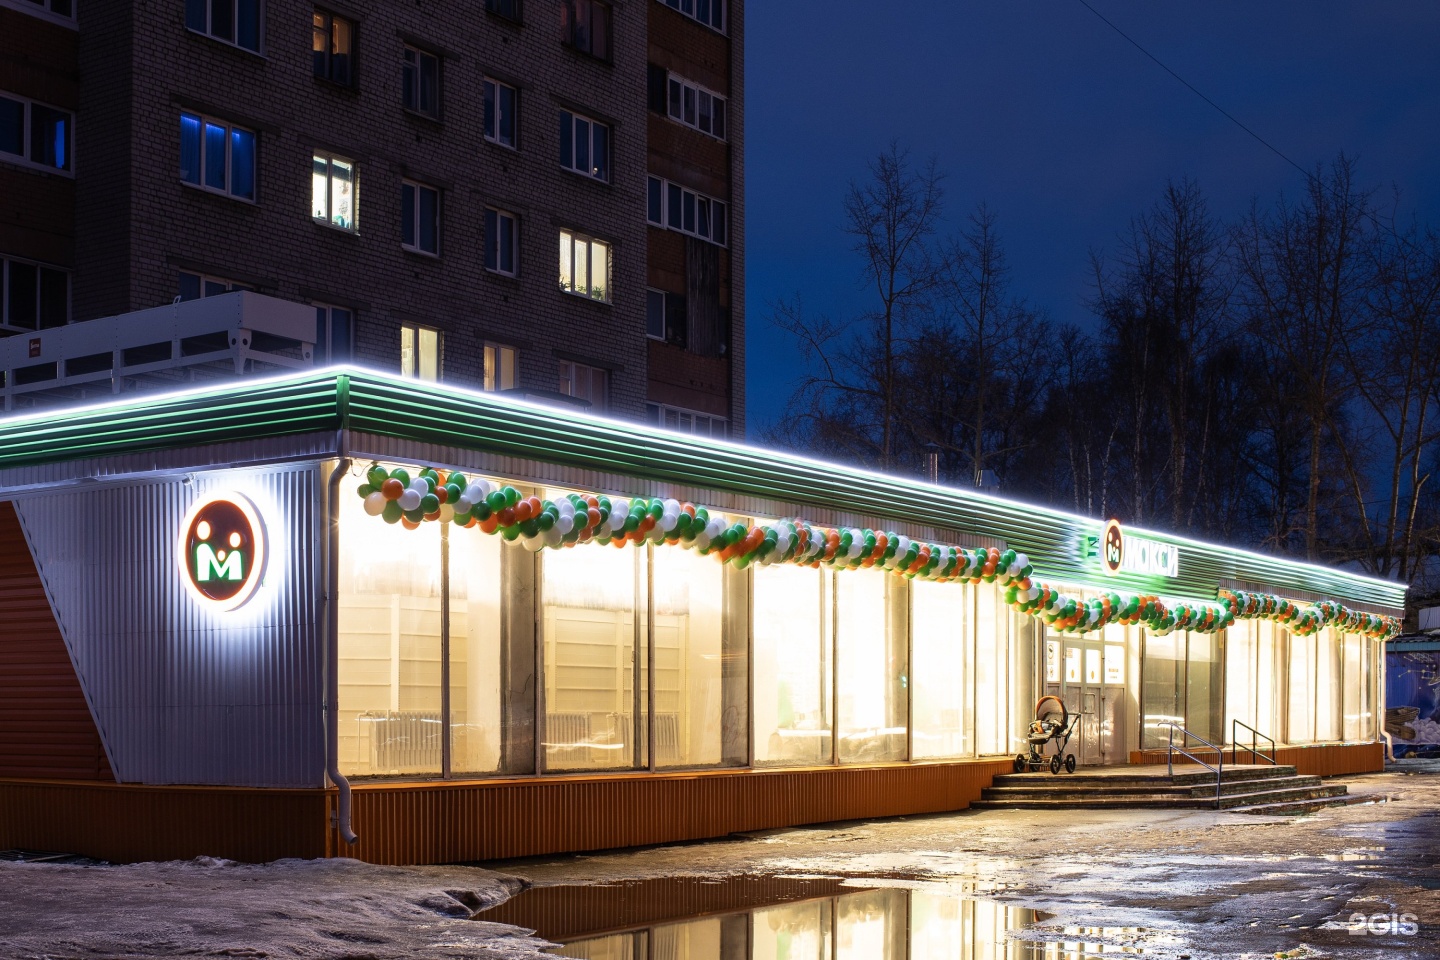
(1089, 676)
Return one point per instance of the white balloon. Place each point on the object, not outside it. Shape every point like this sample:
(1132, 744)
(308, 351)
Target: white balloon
(464, 504)
(553, 536)
(702, 540)
(475, 491)
(667, 522)
(565, 507)
(447, 513)
(375, 504)
(420, 485)
(409, 500)
(565, 524)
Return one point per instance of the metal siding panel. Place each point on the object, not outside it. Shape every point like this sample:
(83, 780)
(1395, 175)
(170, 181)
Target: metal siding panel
(184, 694)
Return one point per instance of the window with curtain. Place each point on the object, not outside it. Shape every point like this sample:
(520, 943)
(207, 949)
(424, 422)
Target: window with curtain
(792, 692)
(1301, 713)
(992, 672)
(870, 661)
(942, 647)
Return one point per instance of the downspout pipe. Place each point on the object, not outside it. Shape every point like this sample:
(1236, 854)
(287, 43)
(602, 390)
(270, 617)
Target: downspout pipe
(332, 649)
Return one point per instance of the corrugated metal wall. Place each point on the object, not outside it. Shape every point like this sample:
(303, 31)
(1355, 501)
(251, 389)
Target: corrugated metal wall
(46, 729)
(182, 694)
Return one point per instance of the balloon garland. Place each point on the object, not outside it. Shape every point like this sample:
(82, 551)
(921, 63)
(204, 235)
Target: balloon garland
(535, 523)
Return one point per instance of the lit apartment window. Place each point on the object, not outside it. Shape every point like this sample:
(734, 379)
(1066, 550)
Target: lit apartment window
(33, 296)
(420, 218)
(333, 48)
(34, 134)
(585, 383)
(499, 367)
(585, 25)
(333, 191)
(584, 266)
(709, 12)
(216, 156)
(194, 286)
(673, 207)
(420, 352)
(233, 21)
(584, 145)
(502, 103)
(334, 328)
(502, 242)
(509, 9)
(686, 421)
(421, 87)
(665, 316)
(49, 9)
(696, 107)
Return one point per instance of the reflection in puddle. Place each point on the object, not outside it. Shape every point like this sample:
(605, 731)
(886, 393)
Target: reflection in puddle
(791, 918)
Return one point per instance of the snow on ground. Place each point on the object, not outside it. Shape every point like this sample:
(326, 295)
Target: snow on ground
(290, 909)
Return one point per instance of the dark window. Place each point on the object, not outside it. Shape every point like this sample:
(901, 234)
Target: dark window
(655, 202)
(12, 126)
(501, 107)
(422, 82)
(655, 96)
(509, 9)
(333, 48)
(332, 334)
(194, 286)
(233, 21)
(33, 297)
(61, 8)
(217, 156)
(420, 216)
(501, 241)
(709, 12)
(35, 132)
(671, 205)
(585, 25)
(584, 145)
(665, 316)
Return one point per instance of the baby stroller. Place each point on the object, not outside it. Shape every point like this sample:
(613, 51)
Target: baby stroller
(1052, 723)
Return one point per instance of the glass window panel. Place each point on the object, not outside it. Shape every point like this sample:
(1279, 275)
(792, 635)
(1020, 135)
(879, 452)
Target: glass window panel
(22, 295)
(1203, 706)
(389, 639)
(718, 124)
(1328, 707)
(792, 699)
(476, 600)
(689, 108)
(189, 287)
(872, 925)
(428, 347)
(689, 208)
(567, 265)
(242, 163)
(190, 148)
(600, 154)
(214, 288)
(939, 645)
(342, 194)
(690, 659)
(507, 244)
(582, 266)
(655, 314)
(1239, 680)
(703, 112)
(407, 214)
(702, 223)
(1354, 683)
(1302, 689)
(410, 82)
(50, 136)
(588, 602)
(674, 206)
(320, 188)
(196, 15)
(507, 115)
(871, 667)
(320, 44)
(992, 668)
(582, 145)
(215, 156)
(248, 24)
(676, 93)
(407, 351)
(507, 368)
(222, 19)
(492, 240)
(567, 139)
(491, 120)
(1162, 688)
(54, 298)
(322, 335)
(343, 39)
(12, 126)
(429, 84)
(429, 220)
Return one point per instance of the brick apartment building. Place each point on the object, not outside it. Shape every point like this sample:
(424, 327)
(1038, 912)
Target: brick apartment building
(412, 171)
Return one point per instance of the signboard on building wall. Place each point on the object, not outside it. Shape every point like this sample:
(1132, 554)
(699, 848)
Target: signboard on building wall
(1121, 552)
(221, 550)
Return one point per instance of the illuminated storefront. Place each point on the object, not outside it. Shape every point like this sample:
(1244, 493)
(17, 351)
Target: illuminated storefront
(470, 627)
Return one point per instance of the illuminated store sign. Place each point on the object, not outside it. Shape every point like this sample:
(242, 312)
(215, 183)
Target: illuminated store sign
(221, 550)
(1124, 553)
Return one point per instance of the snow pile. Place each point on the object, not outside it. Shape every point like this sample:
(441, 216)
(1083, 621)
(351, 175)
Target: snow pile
(290, 908)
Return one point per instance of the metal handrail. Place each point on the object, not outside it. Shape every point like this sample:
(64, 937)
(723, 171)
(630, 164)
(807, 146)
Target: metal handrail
(1255, 737)
(1219, 768)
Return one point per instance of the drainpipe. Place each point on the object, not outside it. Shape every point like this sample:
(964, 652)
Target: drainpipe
(332, 649)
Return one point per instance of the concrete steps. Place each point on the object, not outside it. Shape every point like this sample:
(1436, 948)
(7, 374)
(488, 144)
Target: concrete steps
(1244, 789)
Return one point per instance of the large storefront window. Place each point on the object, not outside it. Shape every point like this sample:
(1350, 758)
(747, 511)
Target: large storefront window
(1162, 688)
(1203, 686)
(594, 639)
(793, 683)
(476, 696)
(1301, 706)
(942, 647)
(993, 677)
(870, 658)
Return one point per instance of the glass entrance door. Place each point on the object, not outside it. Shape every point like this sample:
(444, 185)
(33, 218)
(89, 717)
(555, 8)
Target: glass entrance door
(1089, 676)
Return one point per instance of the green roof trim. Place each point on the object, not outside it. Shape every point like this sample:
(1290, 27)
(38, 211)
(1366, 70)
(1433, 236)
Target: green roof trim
(336, 399)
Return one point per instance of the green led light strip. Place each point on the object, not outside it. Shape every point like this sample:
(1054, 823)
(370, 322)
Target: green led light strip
(536, 523)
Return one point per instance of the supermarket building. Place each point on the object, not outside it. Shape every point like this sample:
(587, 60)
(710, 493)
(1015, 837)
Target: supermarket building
(341, 613)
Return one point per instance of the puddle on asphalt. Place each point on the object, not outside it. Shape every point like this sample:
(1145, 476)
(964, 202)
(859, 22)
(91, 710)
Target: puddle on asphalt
(797, 918)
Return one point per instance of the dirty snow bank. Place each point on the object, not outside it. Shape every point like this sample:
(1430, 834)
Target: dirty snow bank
(290, 908)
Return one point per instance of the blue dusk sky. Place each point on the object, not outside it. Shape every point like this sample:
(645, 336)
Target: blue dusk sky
(1065, 129)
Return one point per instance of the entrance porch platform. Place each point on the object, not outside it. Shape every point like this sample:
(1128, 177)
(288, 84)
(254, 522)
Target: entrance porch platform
(1243, 788)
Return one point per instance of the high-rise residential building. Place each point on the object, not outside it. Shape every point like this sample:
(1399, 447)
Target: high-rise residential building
(505, 194)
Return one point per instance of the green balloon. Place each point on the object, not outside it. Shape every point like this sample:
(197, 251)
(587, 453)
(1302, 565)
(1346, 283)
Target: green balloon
(458, 479)
(377, 475)
(482, 511)
(415, 516)
(512, 496)
(452, 492)
(510, 533)
(400, 474)
(429, 503)
(529, 528)
(392, 512)
(365, 490)
(495, 500)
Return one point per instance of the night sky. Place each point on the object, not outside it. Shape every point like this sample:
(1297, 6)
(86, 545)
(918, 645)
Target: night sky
(1064, 128)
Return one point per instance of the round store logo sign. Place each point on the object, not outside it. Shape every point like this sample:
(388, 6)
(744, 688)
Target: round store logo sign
(1112, 547)
(221, 550)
